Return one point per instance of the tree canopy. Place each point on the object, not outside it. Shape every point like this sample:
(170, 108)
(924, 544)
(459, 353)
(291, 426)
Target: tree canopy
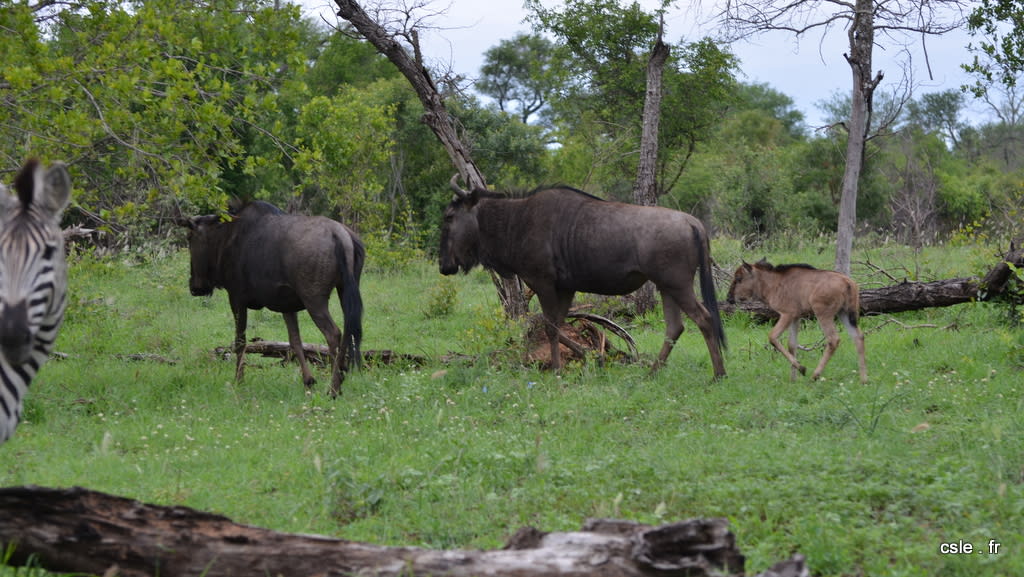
(165, 107)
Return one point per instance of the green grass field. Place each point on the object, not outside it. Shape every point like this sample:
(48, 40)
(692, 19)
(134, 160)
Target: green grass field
(862, 479)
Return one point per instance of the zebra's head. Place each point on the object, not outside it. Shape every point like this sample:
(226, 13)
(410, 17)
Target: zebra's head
(33, 273)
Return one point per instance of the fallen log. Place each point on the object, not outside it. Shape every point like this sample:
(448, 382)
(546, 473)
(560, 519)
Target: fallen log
(912, 296)
(906, 296)
(83, 531)
(318, 354)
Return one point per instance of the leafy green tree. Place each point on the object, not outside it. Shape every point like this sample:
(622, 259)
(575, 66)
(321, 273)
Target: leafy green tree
(762, 98)
(346, 60)
(520, 74)
(156, 102)
(999, 53)
(940, 113)
(607, 47)
(344, 144)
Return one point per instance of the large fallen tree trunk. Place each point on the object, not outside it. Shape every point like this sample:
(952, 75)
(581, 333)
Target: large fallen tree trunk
(912, 296)
(83, 531)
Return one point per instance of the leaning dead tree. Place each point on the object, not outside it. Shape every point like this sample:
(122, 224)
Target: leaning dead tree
(82, 531)
(435, 115)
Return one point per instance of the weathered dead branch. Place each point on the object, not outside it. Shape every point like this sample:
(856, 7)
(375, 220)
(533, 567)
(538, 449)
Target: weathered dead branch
(318, 354)
(82, 531)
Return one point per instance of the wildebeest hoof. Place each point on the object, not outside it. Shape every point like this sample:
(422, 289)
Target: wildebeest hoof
(310, 382)
(802, 369)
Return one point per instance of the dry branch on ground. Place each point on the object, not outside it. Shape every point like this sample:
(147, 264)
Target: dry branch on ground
(83, 531)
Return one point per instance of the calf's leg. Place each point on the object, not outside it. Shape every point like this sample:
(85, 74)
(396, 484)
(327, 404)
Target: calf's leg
(828, 327)
(858, 341)
(785, 320)
(794, 328)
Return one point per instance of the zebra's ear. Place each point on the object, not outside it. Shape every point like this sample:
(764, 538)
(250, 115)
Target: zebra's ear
(56, 193)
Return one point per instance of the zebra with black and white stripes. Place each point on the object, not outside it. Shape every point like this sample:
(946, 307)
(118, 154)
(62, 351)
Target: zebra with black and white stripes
(33, 280)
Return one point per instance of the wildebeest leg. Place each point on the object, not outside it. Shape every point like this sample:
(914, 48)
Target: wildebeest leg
(291, 320)
(828, 327)
(858, 341)
(686, 301)
(673, 328)
(321, 316)
(555, 306)
(241, 318)
(794, 328)
(785, 320)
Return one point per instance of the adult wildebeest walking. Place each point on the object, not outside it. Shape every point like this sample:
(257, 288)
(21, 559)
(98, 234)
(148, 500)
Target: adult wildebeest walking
(561, 240)
(793, 290)
(33, 281)
(265, 258)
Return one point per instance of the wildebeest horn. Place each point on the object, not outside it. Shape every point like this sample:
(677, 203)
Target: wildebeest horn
(454, 183)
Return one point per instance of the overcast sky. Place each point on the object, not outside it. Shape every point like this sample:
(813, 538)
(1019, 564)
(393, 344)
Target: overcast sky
(809, 70)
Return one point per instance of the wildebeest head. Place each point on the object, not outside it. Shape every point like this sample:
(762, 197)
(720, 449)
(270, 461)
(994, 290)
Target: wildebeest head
(460, 233)
(206, 239)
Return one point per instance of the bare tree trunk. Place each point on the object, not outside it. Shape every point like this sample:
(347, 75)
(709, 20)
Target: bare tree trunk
(645, 189)
(82, 531)
(436, 116)
(861, 34)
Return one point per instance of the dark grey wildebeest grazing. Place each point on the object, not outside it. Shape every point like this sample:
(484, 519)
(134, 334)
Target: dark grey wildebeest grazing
(33, 281)
(560, 241)
(794, 290)
(266, 258)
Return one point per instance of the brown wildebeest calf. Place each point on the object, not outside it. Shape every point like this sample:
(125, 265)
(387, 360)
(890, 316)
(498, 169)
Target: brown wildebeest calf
(793, 290)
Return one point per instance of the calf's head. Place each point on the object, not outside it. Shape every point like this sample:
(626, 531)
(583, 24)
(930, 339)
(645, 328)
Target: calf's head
(744, 284)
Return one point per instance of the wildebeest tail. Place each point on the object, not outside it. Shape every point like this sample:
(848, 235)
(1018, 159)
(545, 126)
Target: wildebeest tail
(707, 285)
(351, 299)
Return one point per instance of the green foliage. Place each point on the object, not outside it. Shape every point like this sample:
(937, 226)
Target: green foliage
(999, 54)
(606, 46)
(158, 100)
(164, 107)
(520, 74)
(442, 298)
(344, 147)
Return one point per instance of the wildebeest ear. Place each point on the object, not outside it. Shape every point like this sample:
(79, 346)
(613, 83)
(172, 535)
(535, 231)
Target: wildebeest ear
(235, 205)
(185, 222)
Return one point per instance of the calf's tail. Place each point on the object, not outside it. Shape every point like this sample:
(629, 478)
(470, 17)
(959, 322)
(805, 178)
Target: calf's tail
(351, 299)
(707, 284)
(852, 307)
